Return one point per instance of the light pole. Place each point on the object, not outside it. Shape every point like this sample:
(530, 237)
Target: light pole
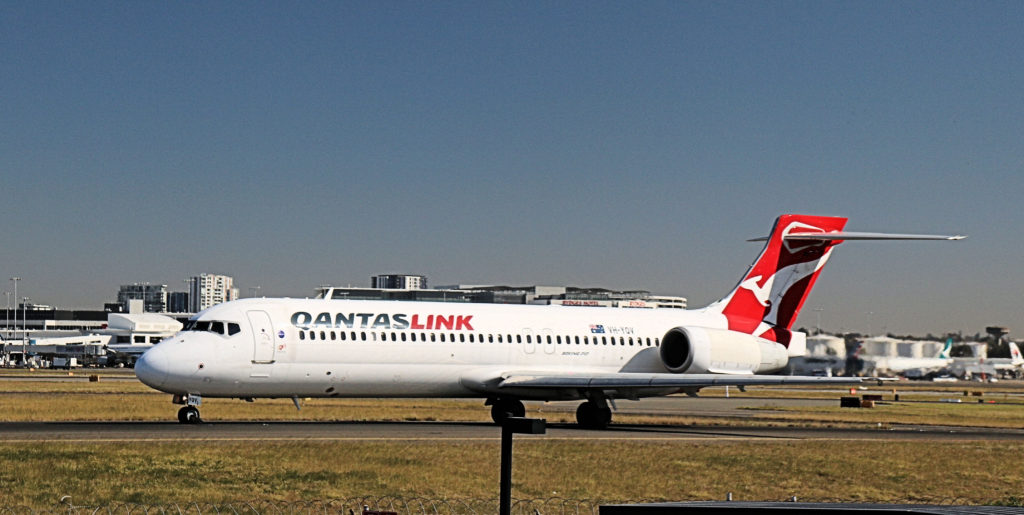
(7, 323)
(817, 311)
(253, 290)
(24, 319)
(15, 280)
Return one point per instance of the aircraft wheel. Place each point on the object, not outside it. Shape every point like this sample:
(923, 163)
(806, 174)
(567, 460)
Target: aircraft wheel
(590, 416)
(504, 408)
(188, 415)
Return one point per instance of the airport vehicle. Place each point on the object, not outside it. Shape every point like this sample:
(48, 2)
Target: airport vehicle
(327, 347)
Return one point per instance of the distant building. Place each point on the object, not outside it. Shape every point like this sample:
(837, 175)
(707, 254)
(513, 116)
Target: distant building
(489, 294)
(398, 282)
(177, 302)
(207, 290)
(153, 296)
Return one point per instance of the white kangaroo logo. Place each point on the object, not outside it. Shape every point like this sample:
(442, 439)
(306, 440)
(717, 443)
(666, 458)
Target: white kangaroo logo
(761, 293)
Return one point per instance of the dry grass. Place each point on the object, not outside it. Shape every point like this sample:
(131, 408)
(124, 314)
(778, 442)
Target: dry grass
(36, 475)
(52, 396)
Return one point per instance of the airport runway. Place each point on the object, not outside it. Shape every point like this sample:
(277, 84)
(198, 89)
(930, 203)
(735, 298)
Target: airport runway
(455, 432)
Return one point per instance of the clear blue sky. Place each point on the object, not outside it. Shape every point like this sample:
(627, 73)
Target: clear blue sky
(624, 145)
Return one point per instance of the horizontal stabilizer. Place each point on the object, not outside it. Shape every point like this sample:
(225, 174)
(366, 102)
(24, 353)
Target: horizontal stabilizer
(862, 236)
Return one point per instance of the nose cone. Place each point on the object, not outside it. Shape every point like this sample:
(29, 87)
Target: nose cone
(152, 367)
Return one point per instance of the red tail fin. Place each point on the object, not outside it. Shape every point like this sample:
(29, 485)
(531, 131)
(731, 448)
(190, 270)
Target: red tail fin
(770, 295)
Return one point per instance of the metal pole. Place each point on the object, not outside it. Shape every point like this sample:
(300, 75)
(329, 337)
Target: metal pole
(24, 330)
(15, 280)
(505, 497)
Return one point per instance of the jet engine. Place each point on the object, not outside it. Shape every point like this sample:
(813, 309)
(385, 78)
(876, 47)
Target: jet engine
(700, 350)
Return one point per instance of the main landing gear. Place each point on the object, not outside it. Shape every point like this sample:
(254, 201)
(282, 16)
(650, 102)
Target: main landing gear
(189, 413)
(594, 414)
(505, 408)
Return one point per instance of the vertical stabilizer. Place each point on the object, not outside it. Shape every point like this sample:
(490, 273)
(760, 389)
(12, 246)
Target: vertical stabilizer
(767, 300)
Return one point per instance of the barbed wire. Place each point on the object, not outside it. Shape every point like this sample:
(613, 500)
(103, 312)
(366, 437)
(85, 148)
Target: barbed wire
(426, 506)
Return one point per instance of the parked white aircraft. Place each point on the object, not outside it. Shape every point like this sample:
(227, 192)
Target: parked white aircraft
(974, 368)
(891, 364)
(327, 347)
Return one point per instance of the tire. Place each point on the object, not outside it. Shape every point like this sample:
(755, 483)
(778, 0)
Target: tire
(589, 416)
(188, 415)
(504, 408)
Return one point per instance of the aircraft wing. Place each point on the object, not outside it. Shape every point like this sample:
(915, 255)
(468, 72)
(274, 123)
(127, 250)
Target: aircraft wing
(640, 380)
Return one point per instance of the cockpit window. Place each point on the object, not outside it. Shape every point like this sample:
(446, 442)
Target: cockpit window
(215, 326)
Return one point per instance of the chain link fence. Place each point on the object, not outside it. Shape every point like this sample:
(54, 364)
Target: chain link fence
(410, 506)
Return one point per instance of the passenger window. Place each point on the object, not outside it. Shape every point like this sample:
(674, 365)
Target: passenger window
(323, 335)
(362, 335)
(140, 339)
(334, 335)
(462, 338)
(577, 340)
(403, 337)
(557, 338)
(302, 335)
(433, 337)
(341, 335)
(394, 337)
(630, 341)
(233, 329)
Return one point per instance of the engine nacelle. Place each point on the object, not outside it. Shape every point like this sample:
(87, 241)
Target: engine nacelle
(699, 350)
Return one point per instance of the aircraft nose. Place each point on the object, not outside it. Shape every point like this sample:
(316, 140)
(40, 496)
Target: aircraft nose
(152, 367)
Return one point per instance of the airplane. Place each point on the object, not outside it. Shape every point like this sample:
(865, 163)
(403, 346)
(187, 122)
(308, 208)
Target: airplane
(1012, 367)
(326, 347)
(909, 367)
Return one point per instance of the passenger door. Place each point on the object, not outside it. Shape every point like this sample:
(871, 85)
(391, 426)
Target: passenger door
(262, 335)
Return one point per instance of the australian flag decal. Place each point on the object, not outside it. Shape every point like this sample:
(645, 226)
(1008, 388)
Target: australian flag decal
(596, 329)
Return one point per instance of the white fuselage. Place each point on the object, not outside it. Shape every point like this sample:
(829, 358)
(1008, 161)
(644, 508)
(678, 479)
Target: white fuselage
(352, 348)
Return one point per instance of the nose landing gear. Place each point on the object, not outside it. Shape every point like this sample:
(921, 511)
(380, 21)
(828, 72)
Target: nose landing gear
(189, 415)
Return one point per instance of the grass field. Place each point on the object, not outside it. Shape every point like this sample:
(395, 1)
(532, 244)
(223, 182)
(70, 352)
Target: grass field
(37, 475)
